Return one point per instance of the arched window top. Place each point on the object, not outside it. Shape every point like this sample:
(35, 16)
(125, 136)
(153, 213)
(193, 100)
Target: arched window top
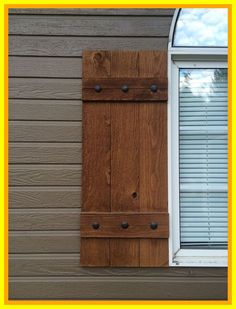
(201, 28)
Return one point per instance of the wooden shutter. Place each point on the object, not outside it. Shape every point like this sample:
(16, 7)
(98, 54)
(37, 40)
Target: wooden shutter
(124, 159)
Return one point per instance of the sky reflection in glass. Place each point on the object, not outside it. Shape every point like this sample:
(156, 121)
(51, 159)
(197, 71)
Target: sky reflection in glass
(202, 28)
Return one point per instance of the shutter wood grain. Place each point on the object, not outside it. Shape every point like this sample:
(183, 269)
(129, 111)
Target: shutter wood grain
(111, 225)
(139, 89)
(153, 155)
(138, 158)
(96, 160)
(124, 159)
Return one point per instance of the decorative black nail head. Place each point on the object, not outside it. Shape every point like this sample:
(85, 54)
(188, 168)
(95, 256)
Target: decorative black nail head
(153, 88)
(125, 88)
(153, 225)
(98, 88)
(124, 225)
(95, 225)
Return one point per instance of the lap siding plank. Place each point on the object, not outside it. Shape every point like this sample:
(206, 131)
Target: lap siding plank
(45, 131)
(44, 197)
(44, 175)
(45, 67)
(73, 46)
(93, 26)
(44, 242)
(96, 12)
(67, 264)
(57, 219)
(111, 287)
(45, 153)
(44, 88)
(41, 109)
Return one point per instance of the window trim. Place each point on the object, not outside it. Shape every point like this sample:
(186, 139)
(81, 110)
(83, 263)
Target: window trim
(185, 55)
(177, 256)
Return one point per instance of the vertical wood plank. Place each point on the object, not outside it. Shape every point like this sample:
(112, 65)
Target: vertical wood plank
(154, 253)
(96, 64)
(124, 252)
(95, 252)
(153, 158)
(124, 159)
(96, 159)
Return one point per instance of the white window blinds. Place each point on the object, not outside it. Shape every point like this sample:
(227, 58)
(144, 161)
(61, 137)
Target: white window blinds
(203, 158)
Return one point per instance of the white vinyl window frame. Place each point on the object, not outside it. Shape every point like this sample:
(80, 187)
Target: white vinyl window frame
(179, 57)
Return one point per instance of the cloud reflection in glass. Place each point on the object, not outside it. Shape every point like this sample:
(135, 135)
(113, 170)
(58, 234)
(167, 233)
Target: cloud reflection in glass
(201, 28)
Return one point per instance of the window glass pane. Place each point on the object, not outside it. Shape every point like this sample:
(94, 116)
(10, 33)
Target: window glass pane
(203, 158)
(202, 28)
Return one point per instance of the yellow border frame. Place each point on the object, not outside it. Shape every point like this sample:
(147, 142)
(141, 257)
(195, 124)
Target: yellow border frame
(97, 302)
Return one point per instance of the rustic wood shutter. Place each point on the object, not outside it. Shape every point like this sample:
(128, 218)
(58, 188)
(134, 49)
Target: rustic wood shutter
(124, 219)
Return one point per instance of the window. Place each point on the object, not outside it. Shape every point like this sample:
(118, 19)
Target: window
(201, 27)
(197, 138)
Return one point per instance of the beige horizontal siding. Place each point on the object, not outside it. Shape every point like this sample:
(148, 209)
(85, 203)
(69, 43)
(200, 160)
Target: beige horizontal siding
(44, 219)
(97, 12)
(44, 197)
(44, 131)
(44, 242)
(32, 109)
(45, 175)
(45, 67)
(45, 153)
(73, 46)
(43, 88)
(111, 287)
(56, 265)
(113, 26)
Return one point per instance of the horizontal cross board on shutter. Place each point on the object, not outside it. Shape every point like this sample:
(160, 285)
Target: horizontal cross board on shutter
(130, 225)
(125, 89)
(124, 216)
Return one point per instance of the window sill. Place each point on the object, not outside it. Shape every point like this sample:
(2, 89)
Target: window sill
(200, 258)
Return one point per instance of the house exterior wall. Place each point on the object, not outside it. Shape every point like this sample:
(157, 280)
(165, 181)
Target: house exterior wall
(45, 50)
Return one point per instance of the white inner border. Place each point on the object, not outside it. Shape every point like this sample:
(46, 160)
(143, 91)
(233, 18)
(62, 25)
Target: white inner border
(186, 58)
